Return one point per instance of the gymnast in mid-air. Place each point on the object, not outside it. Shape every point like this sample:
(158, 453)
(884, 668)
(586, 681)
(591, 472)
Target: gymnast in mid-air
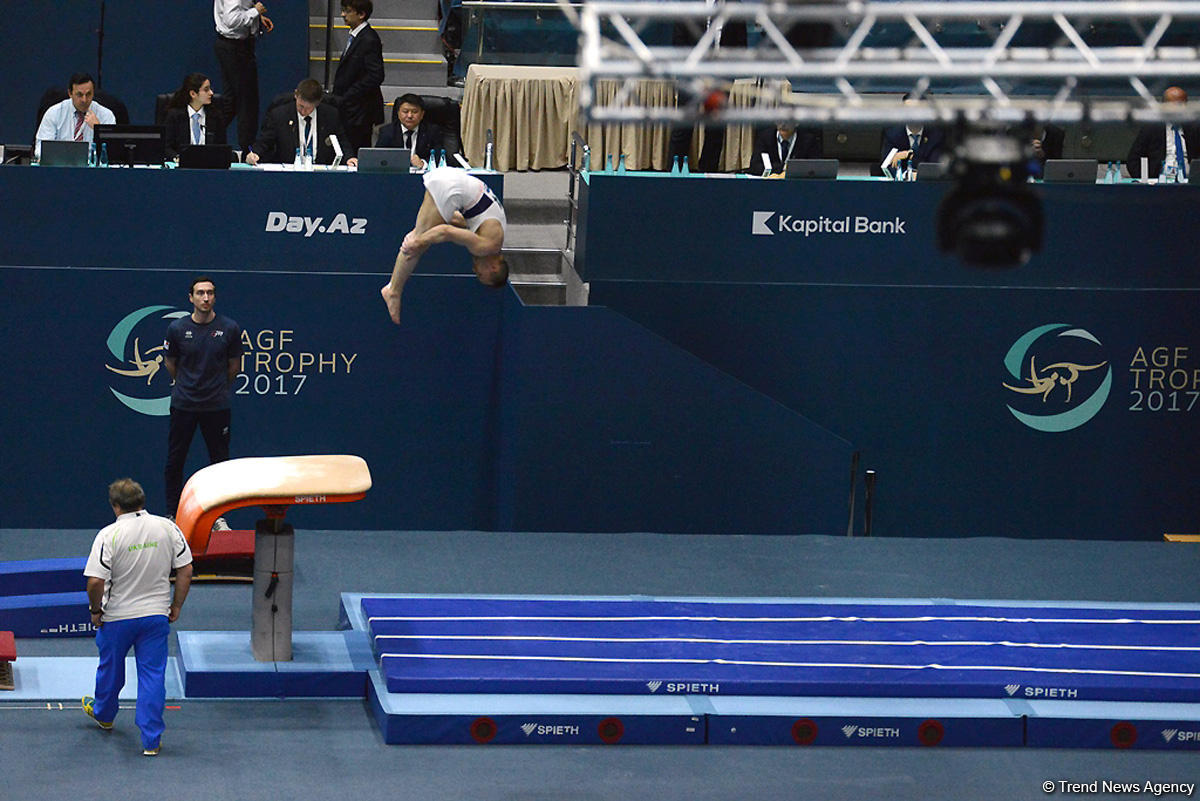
(457, 208)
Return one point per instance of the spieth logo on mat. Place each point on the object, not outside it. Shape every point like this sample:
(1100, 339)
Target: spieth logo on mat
(1169, 734)
(1011, 689)
(543, 730)
(136, 342)
(875, 732)
(1064, 379)
(278, 221)
(653, 685)
(1180, 736)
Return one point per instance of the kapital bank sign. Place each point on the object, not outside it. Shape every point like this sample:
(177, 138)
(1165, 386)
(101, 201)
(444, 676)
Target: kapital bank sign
(769, 223)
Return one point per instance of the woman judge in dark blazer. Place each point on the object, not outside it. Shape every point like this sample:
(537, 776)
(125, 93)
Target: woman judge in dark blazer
(191, 117)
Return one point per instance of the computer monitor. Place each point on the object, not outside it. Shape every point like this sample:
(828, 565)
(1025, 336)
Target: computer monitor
(384, 159)
(811, 168)
(934, 171)
(1072, 171)
(206, 157)
(132, 144)
(60, 153)
(1193, 176)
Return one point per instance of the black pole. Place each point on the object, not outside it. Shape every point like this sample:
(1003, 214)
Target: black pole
(100, 49)
(328, 42)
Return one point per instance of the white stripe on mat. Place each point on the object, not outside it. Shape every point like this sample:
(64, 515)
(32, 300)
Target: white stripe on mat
(757, 663)
(707, 640)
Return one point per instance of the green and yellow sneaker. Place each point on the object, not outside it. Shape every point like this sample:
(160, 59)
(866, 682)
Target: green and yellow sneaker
(88, 703)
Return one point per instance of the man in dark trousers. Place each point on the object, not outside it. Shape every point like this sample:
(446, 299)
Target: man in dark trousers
(411, 131)
(132, 605)
(1170, 143)
(203, 354)
(360, 74)
(305, 125)
(239, 23)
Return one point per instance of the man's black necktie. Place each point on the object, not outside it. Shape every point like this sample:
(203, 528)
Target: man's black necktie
(408, 139)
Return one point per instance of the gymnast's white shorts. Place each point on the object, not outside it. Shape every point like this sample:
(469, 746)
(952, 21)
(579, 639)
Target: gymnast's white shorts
(454, 190)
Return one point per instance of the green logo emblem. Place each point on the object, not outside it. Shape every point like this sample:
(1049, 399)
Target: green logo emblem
(1048, 372)
(140, 362)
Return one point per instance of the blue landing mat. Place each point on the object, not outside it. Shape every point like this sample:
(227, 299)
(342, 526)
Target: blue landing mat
(69, 678)
(325, 664)
(52, 614)
(456, 719)
(794, 648)
(38, 576)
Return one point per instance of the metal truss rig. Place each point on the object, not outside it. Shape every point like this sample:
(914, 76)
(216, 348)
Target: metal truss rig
(1015, 83)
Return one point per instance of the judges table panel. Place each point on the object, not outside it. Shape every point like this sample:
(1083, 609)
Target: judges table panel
(181, 219)
(1058, 399)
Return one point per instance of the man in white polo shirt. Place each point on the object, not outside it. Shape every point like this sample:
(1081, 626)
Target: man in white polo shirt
(130, 598)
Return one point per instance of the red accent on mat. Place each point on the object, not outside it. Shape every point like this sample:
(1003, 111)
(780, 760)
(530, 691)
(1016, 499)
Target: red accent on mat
(1123, 735)
(931, 732)
(8, 647)
(483, 730)
(611, 730)
(804, 732)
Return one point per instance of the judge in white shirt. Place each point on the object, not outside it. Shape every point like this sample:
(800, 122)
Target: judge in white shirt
(192, 119)
(75, 118)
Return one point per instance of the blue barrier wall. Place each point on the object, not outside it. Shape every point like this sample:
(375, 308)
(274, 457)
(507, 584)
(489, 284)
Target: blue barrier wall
(907, 353)
(148, 47)
(475, 413)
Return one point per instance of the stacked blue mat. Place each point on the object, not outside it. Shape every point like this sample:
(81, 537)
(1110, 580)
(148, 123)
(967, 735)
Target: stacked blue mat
(803, 671)
(44, 598)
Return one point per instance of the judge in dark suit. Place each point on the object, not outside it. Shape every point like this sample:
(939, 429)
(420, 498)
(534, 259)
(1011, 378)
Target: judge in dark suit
(360, 74)
(412, 131)
(784, 142)
(305, 124)
(1164, 142)
(914, 144)
(191, 117)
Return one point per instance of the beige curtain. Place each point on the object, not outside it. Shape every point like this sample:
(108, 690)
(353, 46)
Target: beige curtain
(530, 111)
(644, 146)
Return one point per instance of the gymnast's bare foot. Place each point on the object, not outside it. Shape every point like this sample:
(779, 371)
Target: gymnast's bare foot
(392, 299)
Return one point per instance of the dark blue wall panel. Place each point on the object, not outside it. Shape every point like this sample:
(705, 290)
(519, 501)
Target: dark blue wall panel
(475, 413)
(614, 429)
(902, 350)
(44, 43)
(146, 48)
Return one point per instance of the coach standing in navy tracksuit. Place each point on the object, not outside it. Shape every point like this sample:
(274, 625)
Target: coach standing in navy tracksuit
(203, 354)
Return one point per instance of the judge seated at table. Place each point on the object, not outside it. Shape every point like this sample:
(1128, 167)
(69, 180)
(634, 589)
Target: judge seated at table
(303, 125)
(1170, 144)
(905, 147)
(783, 143)
(409, 129)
